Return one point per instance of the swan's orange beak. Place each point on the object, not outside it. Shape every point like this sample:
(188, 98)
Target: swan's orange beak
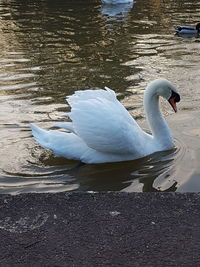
(172, 102)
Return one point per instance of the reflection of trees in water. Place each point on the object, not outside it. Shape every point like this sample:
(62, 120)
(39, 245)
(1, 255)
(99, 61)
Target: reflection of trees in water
(73, 46)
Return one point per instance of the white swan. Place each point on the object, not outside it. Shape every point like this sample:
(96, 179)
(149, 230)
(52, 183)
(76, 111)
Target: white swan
(102, 130)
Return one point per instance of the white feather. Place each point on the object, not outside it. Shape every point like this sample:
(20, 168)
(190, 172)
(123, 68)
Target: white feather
(65, 125)
(65, 145)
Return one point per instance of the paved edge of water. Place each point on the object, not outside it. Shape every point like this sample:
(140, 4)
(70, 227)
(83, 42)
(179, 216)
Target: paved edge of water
(100, 229)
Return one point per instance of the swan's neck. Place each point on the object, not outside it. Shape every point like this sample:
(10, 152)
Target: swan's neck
(158, 126)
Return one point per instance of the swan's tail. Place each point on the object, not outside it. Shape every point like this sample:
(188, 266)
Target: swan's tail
(62, 144)
(40, 135)
(65, 125)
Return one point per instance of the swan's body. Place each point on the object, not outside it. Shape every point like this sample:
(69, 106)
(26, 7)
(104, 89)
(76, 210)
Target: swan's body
(113, 2)
(102, 130)
(188, 30)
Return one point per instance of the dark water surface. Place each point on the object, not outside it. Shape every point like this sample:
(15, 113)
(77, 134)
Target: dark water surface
(49, 49)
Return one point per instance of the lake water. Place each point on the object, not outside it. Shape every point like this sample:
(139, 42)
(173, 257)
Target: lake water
(49, 49)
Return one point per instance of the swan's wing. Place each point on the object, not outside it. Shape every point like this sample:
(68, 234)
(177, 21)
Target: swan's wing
(103, 123)
(91, 94)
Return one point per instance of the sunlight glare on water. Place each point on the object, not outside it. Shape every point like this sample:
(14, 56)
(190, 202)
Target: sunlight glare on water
(51, 49)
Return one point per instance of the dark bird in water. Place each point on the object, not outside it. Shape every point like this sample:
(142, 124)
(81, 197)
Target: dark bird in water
(188, 30)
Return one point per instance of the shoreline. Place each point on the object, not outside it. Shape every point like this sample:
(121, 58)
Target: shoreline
(100, 229)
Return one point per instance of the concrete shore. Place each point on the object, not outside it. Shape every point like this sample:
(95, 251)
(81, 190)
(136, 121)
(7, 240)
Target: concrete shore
(100, 229)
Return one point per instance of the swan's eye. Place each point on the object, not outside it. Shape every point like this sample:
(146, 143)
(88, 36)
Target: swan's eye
(176, 96)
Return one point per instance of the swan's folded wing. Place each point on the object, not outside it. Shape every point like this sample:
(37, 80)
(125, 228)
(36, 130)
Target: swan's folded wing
(104, 124)
(82, 95)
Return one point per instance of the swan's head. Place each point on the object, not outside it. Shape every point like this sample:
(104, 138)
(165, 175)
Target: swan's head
(164, 88)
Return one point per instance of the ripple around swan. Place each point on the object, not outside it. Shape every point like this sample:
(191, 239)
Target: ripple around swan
(44, 173)
(48, 180)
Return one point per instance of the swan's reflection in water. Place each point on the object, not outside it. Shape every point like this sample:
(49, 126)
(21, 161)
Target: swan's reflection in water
(131, 176)
(116, 11)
